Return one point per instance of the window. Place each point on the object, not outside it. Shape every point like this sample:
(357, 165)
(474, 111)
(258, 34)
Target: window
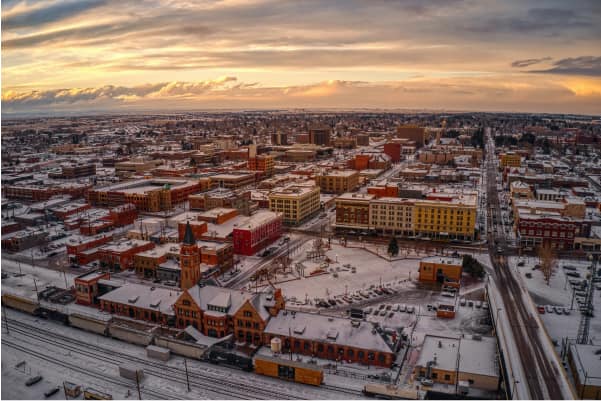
(447, 377)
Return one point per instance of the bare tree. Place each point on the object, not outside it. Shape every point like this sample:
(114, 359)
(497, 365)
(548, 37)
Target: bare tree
(548, 261)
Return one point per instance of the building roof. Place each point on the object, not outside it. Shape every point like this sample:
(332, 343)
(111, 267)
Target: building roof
(586, 363)
(440, 350)
(145, 297)
(234, 299)
(477, 356)
(443, 260)
(327, 329)
(258, 219)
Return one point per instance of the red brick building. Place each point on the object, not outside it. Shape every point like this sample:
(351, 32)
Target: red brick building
(198, 229)
(86, 287)
(120, 255)
(218, 312)
(391, 191)
(540, 229)
(332, 338)
(393, 150)
(256, 232)
(62, 212)
(78, 244)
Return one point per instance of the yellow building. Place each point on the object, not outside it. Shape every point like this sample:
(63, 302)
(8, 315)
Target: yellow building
(446, 216)
(441, 269)
(296, 202)
(338, 181)
(392, 215)
(510, 159)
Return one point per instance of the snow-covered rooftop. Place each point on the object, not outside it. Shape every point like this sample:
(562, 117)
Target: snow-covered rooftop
(328, 329)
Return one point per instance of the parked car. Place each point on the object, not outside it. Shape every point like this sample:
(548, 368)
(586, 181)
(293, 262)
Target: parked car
(478, 304)
(388, 307)
(33, 380)
(402, 308)
(541, 309)
(427, 382)
(558, 310)
(462, 302)
(549, 309)
(391, 314)
(51, 392)
(410, 309)
(566, 311)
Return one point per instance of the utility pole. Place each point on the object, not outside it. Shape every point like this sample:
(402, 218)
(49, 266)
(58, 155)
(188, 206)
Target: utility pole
(187, 378)
(290, 341)
(138, 384)
(36, 290)
(5, 318)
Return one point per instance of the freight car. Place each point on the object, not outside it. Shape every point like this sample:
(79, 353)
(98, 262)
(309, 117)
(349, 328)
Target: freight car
(88, 323)
(289, 370)
(92, 394)
(20, 304)
(223, 356)
(390, 392)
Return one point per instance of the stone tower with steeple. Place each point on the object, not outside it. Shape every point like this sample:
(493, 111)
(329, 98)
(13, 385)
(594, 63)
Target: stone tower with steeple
(189, 260)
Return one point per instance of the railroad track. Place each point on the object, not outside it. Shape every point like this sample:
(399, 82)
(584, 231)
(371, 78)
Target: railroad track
(218, 385)
(87, 371)
(525, 329)
(343, 390)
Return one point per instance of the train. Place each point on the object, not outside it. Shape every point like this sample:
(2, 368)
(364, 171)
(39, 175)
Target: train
(279, 368)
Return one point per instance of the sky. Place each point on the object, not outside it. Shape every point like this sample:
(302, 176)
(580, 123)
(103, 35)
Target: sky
(465, 55)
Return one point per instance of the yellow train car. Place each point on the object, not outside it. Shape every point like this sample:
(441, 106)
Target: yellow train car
(289, 370)
(19, 303)
(92, 394)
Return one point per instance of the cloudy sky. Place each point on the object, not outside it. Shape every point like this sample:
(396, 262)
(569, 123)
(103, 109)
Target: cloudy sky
(80, 55)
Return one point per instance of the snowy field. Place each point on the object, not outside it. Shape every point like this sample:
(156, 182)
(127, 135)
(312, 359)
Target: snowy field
(560, 292)
(371, 270)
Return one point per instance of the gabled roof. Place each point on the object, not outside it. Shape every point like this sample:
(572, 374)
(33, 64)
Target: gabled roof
(219, 296)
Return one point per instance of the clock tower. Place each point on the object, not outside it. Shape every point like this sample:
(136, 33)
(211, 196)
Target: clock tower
(189, 260)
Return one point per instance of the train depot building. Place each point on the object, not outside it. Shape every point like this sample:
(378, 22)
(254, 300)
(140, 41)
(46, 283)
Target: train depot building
(333, 338)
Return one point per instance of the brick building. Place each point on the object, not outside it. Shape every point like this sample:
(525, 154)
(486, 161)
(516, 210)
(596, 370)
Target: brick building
(86, 287)
(337, 181)
(119, 255)
(218, 312)
(332, 338)
(258, 231)
(352, 210)
(141, 302)
(440, 269)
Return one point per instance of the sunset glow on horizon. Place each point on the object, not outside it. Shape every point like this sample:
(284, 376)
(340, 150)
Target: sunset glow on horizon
(522, 56)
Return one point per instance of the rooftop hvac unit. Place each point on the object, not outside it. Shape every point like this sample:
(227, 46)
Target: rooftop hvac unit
(133, 300)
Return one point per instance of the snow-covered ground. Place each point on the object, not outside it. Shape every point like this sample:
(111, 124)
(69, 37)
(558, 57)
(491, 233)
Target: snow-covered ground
(370, 271)
(559, 292)
(102, 374)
